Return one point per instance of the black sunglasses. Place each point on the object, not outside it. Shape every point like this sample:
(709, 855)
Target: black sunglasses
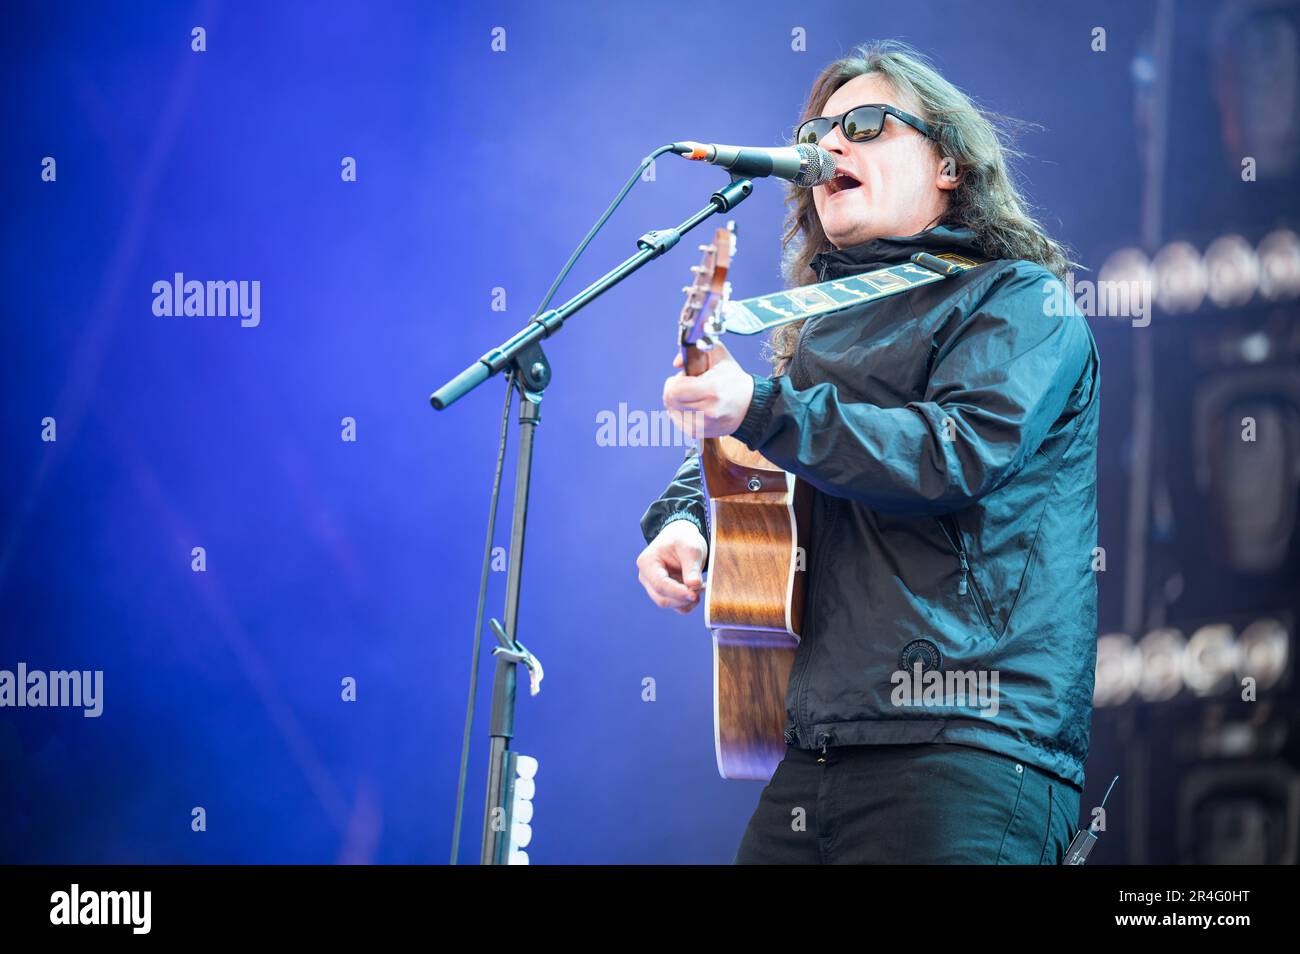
(859, 124)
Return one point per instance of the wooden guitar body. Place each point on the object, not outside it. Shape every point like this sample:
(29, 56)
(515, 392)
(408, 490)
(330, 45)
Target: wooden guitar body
(758, 519)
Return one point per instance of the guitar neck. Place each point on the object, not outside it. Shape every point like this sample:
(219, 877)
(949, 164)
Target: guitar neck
(694, 361)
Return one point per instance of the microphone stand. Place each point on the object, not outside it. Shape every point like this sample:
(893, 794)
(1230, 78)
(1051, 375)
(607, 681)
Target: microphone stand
(530, 371)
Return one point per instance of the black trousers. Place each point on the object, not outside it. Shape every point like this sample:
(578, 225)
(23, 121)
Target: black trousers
(926, 803)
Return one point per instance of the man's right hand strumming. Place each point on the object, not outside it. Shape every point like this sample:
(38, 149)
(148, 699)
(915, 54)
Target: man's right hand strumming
(670, 567)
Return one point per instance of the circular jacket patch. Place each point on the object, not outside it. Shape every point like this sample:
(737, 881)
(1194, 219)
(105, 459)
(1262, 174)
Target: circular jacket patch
(922, 651)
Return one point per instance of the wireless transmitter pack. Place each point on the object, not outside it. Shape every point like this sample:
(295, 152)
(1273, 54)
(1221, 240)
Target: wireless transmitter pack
(1084, 839)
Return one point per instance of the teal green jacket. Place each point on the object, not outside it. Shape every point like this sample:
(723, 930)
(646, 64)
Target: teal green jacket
(950, 436)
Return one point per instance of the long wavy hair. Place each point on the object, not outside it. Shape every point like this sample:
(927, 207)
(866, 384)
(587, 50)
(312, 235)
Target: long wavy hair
(986, 200)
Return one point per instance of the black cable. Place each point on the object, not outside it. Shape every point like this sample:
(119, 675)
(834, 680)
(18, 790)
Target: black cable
(618, 199)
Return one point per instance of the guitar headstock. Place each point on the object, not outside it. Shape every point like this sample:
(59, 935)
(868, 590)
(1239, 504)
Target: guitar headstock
(700, 322)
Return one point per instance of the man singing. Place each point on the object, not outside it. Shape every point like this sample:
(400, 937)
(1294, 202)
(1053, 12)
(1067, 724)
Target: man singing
(949, 434)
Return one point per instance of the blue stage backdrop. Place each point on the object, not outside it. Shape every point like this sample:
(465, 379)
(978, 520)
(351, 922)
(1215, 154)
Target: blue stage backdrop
(255, 526)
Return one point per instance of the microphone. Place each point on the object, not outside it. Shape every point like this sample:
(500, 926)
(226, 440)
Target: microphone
(805, 165)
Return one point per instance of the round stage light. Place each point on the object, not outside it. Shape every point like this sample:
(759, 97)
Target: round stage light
(1231, 271)
(1119, 668)
(1210, 659)
(1162, 664)
(1129, 269)
(1180, 278)
(1263, 650)
(1279, 265)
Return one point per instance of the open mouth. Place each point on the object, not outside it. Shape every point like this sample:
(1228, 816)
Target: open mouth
(841, 183)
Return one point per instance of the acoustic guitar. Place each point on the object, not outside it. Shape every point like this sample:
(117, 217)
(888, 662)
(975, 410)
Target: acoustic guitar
(758, 517)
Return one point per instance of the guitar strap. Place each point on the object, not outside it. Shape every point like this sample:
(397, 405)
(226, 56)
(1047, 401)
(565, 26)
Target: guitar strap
(749, 316)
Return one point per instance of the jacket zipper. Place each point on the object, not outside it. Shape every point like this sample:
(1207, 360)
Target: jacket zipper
(814, 572)
(954, 540)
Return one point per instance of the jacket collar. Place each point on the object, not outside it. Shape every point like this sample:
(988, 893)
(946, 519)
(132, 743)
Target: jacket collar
(855, 259)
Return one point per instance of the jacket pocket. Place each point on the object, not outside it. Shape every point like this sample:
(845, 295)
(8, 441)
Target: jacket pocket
(968, 586)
